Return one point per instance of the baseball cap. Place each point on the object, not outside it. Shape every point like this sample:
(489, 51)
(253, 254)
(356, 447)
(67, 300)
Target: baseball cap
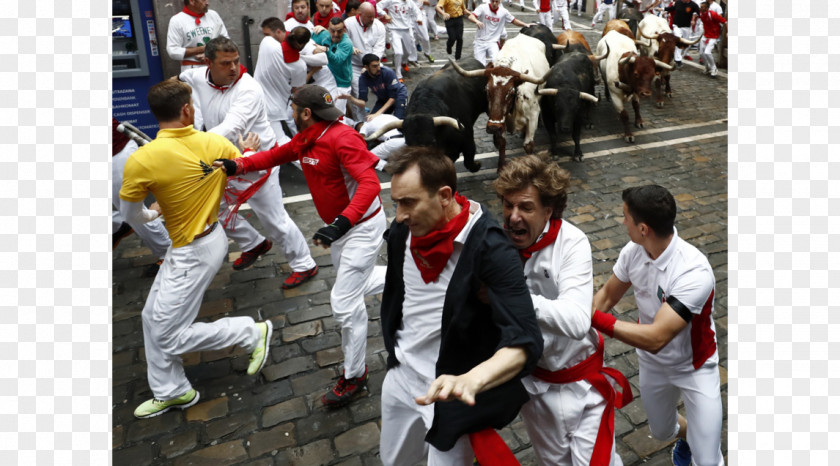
(317, 99)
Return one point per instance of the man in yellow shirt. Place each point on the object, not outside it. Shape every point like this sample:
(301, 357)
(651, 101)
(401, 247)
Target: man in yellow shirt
(177, 168)
(452, 12)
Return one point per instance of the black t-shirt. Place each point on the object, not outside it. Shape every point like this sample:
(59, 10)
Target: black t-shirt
(683, 12)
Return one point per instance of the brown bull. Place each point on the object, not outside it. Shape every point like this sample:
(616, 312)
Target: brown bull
(618, 25)
(661, 46)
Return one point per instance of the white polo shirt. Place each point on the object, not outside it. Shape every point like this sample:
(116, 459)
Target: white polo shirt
(277, 78)
(183, 33)
(683, 273)
(494, 23)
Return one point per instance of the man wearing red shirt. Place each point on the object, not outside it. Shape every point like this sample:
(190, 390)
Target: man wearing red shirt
(711, 35)
(340, 173)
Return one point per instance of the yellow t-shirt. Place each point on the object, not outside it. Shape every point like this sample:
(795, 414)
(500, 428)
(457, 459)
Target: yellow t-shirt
(177, 167)
(454, 8)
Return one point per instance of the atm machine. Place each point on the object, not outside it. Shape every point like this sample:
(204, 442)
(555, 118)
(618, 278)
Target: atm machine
(135, 62)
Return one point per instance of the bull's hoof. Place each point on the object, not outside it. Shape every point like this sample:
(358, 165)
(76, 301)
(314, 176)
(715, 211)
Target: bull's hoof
(660, 104)
(639, 125)
(529, 148)
(473, 166)
(578, 157)
(590, 126)
(629, 138)
(670, 96)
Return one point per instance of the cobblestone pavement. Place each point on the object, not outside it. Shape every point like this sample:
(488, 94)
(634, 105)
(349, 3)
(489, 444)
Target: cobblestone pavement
(276, 418)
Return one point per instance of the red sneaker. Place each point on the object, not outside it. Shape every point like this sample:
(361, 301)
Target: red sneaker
(248, 258)
(299, 278)
(688, 58)
(405, 67)
(345, 391)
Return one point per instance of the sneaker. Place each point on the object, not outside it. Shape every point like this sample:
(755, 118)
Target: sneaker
(387, 45)
(299, 278)
(688, 57)
(152, 270)
(449, 50)
(405, 67)
(401, 80)
(592, 25)
(679, 65)
(701, 60)
(429, 57)
(155, 407)
(419, 49)
(713, 74)
(260, 354)
(123, 231)
(384, 59)
(345, 390)
(681, 454)
(248, 258)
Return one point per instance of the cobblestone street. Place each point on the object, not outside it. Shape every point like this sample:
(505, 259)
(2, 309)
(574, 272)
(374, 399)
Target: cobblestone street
(276, 417)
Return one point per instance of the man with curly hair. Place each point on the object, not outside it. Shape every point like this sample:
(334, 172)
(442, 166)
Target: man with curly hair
(570, 415)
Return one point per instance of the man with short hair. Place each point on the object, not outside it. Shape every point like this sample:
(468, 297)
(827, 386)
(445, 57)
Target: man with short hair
(324, 14)
(189, 30)
(457, 320)
(603, 7)
(368, 36)
(279, 70)
(570, 415)
(232, 104)
(711, 35)
(674, 288)
(176, 168)
(340, 55)
(300, 16)
(351, 8)
(490, 18)
(684, 14)
(345, 190)
(400, 16)
(391, 94)
(385, 145)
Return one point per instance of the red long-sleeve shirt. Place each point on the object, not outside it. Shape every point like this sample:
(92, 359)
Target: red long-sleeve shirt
(338, 169)
(711, 24)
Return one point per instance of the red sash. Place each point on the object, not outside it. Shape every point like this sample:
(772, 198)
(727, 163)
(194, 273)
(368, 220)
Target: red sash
(593, 371)
(235, 198)
(490, 449)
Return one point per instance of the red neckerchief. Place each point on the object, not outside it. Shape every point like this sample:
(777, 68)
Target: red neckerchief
(290, 54)
(493, 10)
(359, 19)
(322, 21)
(306, 138)
(119, 140)
(431, 252)
(547, 239)
(194, 15)
(290, 15)
(242, 71)
(342, 5)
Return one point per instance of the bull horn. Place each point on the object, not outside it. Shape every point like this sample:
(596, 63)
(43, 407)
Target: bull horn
(630, 58)
(547, 91)
(690, 42)
(642, 43)
(598, 58)
(445, 120)
(396, 124)
(624, 87)
(589, 97)
(654, 37)
(465, 73)
(534, 79)
(558, 46)
(663, 65)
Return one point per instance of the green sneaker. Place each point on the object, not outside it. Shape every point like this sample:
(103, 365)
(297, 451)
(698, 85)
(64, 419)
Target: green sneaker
(429, 57)
(155, 407)
(260, 354)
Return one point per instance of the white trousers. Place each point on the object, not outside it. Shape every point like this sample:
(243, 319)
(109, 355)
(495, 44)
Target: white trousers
(153, 234)
(386, 148)
(546, 19)
(354, 257)
(561, 11)
(603, 8)
(563, 423)
(405, 423)
(357, 112)
(485, 51)
(172, 305)
(421, 33)
(685, 33)
(277, 127)
(707, 47)
(340, 104)
(660, 389)
(576, 4)
(267, 203)
(401, 39)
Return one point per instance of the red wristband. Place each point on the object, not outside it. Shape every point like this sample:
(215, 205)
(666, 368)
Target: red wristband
(603, 322)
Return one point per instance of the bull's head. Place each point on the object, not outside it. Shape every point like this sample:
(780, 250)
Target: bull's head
(567, 104)
(636, 74)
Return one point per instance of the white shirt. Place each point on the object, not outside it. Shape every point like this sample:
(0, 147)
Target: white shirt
(373, 126)
(292, 23)
(184, 33)
(368, 40)
(277, 78)
(324, 76)
(682, 272)
(494, 23)
(238, 110)
(559, 277)
(417, 343)
(404, 13)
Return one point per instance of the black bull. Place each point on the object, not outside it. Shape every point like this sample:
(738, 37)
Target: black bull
(446, 93)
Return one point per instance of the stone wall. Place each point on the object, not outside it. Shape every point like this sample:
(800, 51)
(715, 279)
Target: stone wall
(232, 13)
